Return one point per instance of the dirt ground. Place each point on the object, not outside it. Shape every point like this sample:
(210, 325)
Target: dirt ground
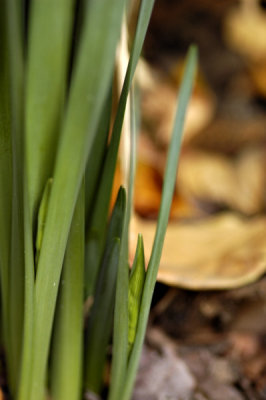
(205, 345)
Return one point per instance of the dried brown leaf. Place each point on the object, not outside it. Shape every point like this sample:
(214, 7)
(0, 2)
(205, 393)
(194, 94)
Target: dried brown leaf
(237, 183)
(221, 252)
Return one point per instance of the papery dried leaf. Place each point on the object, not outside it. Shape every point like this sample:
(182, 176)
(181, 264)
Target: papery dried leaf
(206, 177)
(220, 252)
(251, 180)
(237, 183)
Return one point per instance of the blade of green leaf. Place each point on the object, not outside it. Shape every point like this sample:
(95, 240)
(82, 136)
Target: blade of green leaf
(100, 322)
(67, 346)
(5, 176)
(99, 329)
(120, 320)
(50, 31)
(168, 189)
(88, 90)
(50, 28)
(41, 218)
(95, 161)
(16, 281)
(136, 284)
(26, 362)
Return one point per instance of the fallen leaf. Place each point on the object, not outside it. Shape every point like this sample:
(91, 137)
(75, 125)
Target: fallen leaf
(219, 252)
(206, 177)
(237, 183)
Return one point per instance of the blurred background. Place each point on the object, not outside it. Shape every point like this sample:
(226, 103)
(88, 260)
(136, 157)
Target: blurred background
(220, 197)
(211, 340)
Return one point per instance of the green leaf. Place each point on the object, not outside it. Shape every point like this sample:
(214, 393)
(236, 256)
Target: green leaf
(47, 68)
(136, 284)
(95, 161)
(100, 322)
(16, 270)
(99, 328)
(26, 362)
(50, 29)
(41, 218)
(88, 89)
(168, 189)
(67, 346)
(5, 176)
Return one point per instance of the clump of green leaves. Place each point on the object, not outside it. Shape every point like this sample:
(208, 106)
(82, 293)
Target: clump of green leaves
(58, 251)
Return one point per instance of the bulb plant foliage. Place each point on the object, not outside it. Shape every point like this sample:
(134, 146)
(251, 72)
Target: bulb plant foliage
(67, 292)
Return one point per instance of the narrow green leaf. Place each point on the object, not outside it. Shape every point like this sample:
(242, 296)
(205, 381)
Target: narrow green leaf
(168, 189)
(88, 90)
(16, 281)
(49, 44)
(99, 328)
(67, 346)
(136, 284)
(41, 218)
(26, 362)
(95, 161)
(5, 176)
(50, 27)
(100, 323)
(120, 335)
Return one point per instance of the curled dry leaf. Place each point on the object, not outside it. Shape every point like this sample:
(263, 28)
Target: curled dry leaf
(238, 183)
(245, 29)
(208, 177)
(251, 180)
(220, 252)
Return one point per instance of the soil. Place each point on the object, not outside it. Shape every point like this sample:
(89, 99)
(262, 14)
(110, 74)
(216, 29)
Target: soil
(218, 340)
